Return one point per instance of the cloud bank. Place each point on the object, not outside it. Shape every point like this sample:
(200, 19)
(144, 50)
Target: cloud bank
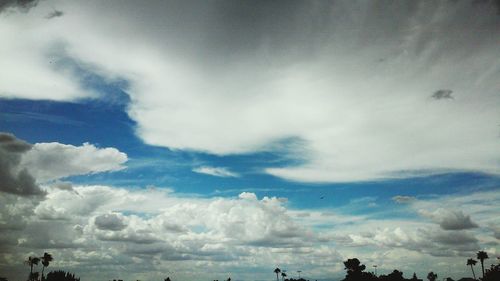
(152, 231)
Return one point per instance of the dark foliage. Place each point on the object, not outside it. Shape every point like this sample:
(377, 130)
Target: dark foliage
(60, 275)
(492, 274)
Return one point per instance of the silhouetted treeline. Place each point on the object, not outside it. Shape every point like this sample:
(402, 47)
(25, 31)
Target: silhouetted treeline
(355, 272)
(60, 275)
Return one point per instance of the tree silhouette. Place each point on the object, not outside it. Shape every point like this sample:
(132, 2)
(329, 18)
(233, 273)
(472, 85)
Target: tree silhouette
(31, 261)
(283, 275)
(277, 271)
(46, 259)
(472, 262)
(432, 276)
(395, 275)
(492, 274)
(60, 275)
(482, 255)
(354, 269)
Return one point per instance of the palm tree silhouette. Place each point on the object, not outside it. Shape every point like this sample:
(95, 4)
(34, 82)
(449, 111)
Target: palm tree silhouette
(46, 259)
(432, 276)
(277, 271)
(31, 261)
(283, 275)
(472, 262)
(482, 255)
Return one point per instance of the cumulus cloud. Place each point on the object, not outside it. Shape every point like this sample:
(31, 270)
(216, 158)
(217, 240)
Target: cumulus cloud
(423, 239)
(13, 178)
(50, 161)
(450, 219)
(112, 222)
(158, 228)
(248, 196)
(284, 77)
(403, 199)
(216, 172)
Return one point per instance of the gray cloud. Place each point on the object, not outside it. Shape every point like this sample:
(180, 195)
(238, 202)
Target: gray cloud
(450, 219)
(112, 222)
(496, 231)
(63, 185)
(306, 57)
(23, 5)
(442, 94)
(403, 199)
(54, 14)
(457, 221)
(13, 178)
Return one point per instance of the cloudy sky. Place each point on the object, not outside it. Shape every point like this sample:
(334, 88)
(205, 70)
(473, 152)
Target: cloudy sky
(204, 140)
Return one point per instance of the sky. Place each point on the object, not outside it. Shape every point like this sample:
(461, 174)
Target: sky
(203, 140)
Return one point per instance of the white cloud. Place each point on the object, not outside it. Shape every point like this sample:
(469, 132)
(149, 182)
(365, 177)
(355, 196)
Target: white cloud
(50, 161)
(276, 87)
(248, 196)
(156, 230)
(216, 171)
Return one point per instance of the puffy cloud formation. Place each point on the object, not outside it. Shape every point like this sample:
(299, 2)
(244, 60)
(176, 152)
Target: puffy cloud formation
(450, 219)
(253, 77)
(50, 161)
(216, 171)
(152, 231)
(23, 164)
(13, 178)
(110, 222)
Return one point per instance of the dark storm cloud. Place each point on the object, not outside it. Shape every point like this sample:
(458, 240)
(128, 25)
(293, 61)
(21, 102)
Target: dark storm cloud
(13, 179)
(442, 94)
(281, 30)
(54, 14)
(23, 5)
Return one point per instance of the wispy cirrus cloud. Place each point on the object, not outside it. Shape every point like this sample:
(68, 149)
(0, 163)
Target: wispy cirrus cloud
(403, 199)
(216, 172)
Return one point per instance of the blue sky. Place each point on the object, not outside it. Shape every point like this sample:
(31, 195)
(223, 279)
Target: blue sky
(239, 137)
(108, 125)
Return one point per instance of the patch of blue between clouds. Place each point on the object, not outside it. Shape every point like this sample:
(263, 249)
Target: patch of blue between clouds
(103, 121)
